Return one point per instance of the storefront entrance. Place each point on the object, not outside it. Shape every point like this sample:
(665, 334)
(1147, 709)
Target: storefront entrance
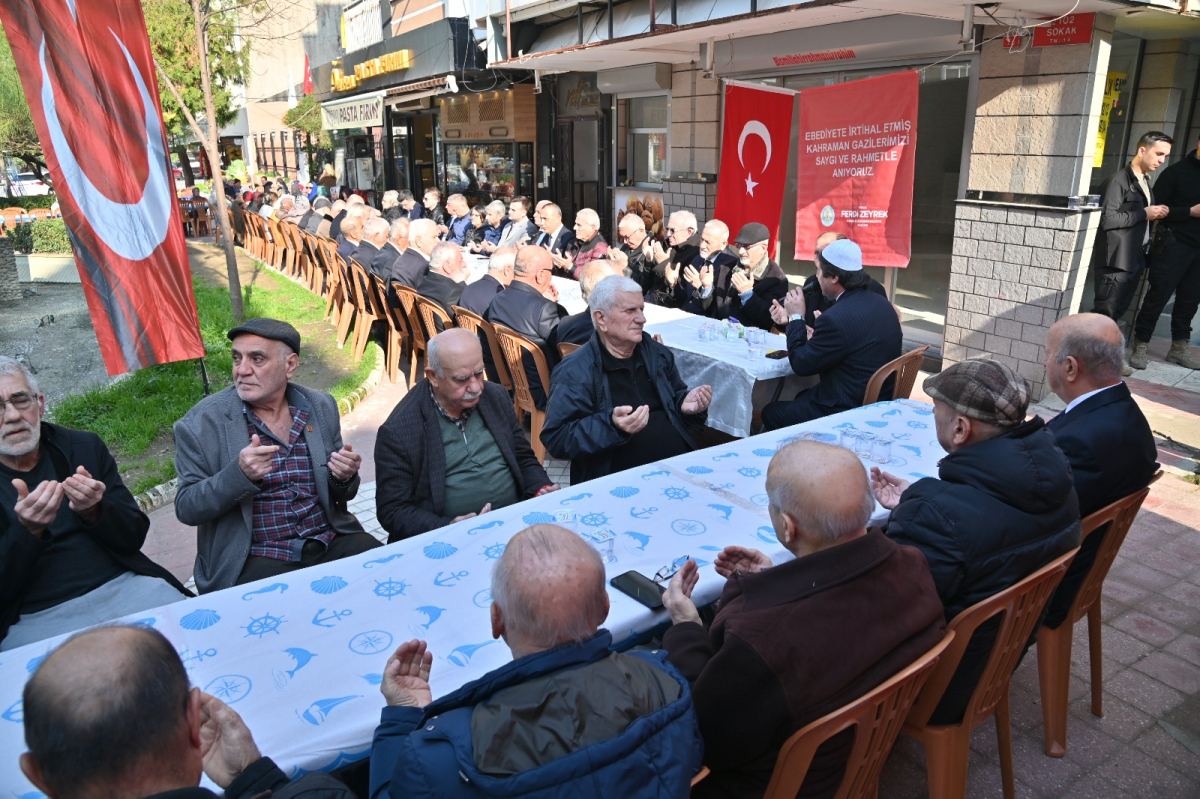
(415, 155)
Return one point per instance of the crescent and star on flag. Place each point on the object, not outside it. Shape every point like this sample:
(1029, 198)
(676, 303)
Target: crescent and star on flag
(753, 128)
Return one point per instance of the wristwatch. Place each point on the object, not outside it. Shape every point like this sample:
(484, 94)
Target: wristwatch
(796, 318)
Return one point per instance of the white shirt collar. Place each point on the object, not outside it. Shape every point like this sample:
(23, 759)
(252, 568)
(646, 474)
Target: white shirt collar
(557, 230)
(1083, 397)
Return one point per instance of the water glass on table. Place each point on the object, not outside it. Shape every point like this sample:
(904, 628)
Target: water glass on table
(757, 341)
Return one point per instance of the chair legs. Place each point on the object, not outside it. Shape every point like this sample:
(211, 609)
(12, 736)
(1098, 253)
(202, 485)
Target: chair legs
(1096, 653)
(947, 757)
(1054, 678)
(344, 325)
(1004, 740)
(412, 364)
(536, 419)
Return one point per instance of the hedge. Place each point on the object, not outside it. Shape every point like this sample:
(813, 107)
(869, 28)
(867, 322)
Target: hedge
(43, 236)
(30, 202)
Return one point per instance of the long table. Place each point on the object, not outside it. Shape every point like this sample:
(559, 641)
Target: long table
(301, 656)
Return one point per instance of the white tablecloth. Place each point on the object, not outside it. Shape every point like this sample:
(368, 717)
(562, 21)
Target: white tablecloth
(300, 656)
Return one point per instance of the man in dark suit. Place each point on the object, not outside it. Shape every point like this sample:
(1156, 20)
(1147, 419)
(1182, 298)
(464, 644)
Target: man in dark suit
(411, 267)
(412, 208)
(1103, 432)
(1126, 210)
(633, 255)
(320, 208)
(524, 308)
(815, 302)
(578, 328)
(444, 283)
(396, 244)
(479, 295)
(352, 230)
(666, 281)
(744, 287)
(375, 232)
(339, 210)
(555, 236)
(452, 448)
(850, 341)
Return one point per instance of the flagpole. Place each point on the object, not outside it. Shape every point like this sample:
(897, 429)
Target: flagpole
(747, 84)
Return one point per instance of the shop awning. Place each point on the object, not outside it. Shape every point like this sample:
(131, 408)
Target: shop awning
(411, 92)
(360, 111)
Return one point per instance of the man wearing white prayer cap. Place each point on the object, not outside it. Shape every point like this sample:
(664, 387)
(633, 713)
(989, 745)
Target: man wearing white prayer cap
(855, 336)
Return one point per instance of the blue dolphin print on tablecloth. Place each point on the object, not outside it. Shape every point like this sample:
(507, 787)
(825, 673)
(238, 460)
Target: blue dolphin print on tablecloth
(280, 587)
(370, 563)
(301, 656)
(333, 618)
(461, 655)
(892, 412)
(724, 510)
(575, 498)
(318, 711)
(910, 448)
(487, 526)
(641, 538)
(432, 614)
(374, 679)
(15, 712)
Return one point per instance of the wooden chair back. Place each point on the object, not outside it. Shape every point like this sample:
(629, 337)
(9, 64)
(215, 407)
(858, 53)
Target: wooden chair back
(566, 348)
(876, 719)
(905, 368)
(408, 305)
(515, 347)
(469, 320)
(203, 220)
(431, 314)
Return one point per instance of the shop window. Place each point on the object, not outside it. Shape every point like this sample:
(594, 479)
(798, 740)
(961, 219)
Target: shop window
(648, 126)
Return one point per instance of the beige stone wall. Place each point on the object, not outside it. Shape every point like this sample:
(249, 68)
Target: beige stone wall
(1167, 74)
(689, 195)
(695, 120)
(10, 286)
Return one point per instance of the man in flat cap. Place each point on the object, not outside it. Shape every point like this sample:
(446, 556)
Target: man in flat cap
(1002, 507)
(856, 335)
(263, 473)
(745, 289)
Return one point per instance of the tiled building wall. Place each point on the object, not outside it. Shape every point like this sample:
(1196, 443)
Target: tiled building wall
(696, 196)
(695, 120)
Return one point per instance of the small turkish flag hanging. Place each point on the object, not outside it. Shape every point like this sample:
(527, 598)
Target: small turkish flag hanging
(308, 86)
(755, 142)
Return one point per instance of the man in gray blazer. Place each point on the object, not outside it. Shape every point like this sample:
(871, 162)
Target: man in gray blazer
(263, 473)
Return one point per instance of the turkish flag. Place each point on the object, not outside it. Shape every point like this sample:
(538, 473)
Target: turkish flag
(754, 156)
(308, 87)
(89, 78)
(855, 166)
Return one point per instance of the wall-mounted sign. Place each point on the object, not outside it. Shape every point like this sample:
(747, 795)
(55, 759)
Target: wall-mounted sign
(1071, 29)
(362, 25)
(372, 67)
(356, 112)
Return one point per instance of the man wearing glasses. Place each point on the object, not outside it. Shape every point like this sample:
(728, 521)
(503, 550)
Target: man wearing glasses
(70, 532)
(683, 236)
(634, 253)
(744, 289)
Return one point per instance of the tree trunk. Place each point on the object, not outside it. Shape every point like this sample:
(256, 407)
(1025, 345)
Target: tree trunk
(185, 164)
(224, 220)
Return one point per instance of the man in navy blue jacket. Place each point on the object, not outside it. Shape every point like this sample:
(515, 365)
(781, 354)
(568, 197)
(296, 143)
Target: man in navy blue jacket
(567, 717)
(850, 341)
(1103, 432)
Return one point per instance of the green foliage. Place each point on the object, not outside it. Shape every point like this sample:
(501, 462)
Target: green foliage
(305, 117)
(45, 236)
(237, 169)
(29, 202)
(18, 136)
(172, 29)
(21, 237)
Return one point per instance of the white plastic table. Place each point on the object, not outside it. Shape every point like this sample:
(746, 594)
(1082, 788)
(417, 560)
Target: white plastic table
(300, 656)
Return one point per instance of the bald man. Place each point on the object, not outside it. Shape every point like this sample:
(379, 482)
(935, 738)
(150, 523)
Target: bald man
(452, 448)
(1103, 432)
(567, 717)
(577, 328)
(763, 671)
(110, 714)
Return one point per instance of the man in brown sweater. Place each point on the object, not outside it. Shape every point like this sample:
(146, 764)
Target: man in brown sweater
(796, 641)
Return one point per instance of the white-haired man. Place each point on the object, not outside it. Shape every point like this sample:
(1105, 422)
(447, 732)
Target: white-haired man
(479, 295)
(619, 402)
(590, 245)
(452, 448)
(683, 238)
(634, 256)
(782, 626)
(495, 228)
(445, 282)
(411, 267)
(375, 233)
(70, 533)
(397, 243)
(567, 717)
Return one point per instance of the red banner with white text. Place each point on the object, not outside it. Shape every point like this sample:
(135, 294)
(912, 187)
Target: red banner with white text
(89, 77)
(856, 159)
(754, 155)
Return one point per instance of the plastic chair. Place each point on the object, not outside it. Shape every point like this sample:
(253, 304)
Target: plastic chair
(948, 746)
(362, 294)
(566, 348)
(431, 314)
(515, 346)
(399, 335)
(905, 369)
(469, 320)
(408, 306)
(876, 719)
(1054, 646)
(202, 223)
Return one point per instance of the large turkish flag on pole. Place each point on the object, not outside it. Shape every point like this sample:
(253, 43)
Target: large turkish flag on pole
(855, 165)
(89, 76)
(754, 156)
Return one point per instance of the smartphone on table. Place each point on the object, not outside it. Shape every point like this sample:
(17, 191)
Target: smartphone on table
(640, 588)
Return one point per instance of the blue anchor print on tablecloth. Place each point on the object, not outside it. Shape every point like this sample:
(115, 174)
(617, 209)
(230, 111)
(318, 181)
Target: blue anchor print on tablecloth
(371, 563)
(230, 688)
(724, 510)
(642, 513)
(371, 642)
(450, 580)
(333, 618)
(575, 498)
(318, 711)
(198, 656)
(280, 587)
(486, 526)
(390, 588)
(461, 655)
(901, 436)
(641, 538)
(264, 624)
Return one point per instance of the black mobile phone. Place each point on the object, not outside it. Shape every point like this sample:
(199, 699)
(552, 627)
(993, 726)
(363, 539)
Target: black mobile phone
(639, 587)
(777, 354)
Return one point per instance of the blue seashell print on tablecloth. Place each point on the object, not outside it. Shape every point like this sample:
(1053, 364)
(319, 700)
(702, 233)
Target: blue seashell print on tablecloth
(699, 470)
(200, 619)
(624, 492)
(439, 549)
(764, 453)
(538, 517)
(374, 679)
(873, 423)
(33, 664)
(328, 585)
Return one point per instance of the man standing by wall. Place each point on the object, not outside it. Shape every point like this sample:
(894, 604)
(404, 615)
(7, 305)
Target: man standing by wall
(1175, 265)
